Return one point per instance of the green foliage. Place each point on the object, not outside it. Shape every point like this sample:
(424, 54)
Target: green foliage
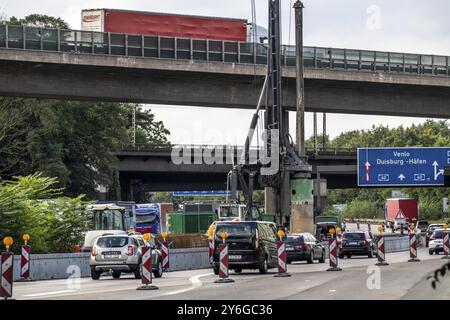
(363, 209)
(33, 205)
(39, 20)
(70, 140)
(430, 133)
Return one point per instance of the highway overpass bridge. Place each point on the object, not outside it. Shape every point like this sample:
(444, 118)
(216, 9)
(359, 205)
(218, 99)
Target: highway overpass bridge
(146, 168)
(68, 64)
(151, 168)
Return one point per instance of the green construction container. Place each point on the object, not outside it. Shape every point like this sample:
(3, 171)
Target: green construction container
(190, 222)
(268, 217)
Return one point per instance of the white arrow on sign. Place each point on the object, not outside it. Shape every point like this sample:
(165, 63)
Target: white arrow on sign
(437, 172)
(401, 177)
(367, 165)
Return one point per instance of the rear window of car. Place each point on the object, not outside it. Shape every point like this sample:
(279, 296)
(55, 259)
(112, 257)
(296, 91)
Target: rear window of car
(354, 236)
(293, 239)
(438, 234)
(112, 242)
(433, 227)
(235, 230)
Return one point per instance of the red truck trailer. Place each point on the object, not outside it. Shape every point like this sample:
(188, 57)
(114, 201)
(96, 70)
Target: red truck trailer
(163, 24)
(402, 210)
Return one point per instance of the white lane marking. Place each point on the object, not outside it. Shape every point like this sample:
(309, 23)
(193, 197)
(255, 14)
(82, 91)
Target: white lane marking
(48, 293)
(332, 290)
(196, 283)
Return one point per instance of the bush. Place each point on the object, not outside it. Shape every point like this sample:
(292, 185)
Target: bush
(30, 205)
(363, 209)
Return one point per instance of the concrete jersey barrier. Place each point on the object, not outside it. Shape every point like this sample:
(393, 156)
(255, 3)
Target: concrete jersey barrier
(65, 265)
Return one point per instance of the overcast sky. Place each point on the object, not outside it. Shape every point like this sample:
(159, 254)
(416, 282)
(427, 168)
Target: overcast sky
(403, 26)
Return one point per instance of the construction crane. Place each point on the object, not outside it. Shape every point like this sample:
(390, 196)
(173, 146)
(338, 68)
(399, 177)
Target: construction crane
(279, 146)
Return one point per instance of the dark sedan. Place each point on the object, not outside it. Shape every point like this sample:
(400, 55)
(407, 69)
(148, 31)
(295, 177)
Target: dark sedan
(357, 243)
(304, 247)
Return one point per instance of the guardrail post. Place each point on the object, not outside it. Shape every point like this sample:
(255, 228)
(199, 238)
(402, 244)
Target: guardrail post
(207, 50)
(58, 40)
(125, 38)
(191, 48)
(42, 39)
(92, 43)
(6, 36)
(315, 57)
(159, 47)
(109, 43)
(239, 51)
(24, 37)
(223, 51)
(404, 62)
(175, 47)
(76, 41)
(142, 46)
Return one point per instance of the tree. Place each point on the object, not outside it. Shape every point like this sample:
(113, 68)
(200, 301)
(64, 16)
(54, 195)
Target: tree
(70, 140)
(40, 20)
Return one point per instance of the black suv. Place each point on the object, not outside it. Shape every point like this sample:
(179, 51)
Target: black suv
(357, 243)
(251, 245)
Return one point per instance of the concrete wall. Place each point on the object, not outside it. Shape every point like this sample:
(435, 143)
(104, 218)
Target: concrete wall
(61, 266)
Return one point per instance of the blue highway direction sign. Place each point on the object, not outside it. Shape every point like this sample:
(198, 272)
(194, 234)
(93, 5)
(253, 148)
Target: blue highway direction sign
(209, 193)
(378, 167)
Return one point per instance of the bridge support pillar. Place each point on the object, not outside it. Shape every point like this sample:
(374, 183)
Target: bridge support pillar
(320, 195)
(302, 204)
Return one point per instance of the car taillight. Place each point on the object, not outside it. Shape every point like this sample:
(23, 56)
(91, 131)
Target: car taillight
(301, 246)
(94, 251)
(130, 250)
(256, 241)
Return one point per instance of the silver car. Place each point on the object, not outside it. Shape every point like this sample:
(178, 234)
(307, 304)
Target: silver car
(122, 253)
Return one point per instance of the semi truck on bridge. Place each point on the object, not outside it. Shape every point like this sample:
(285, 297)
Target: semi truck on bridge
(165, 25)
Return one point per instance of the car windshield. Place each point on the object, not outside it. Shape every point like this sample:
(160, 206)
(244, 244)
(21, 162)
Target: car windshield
(422, 225)
(434, 227)
(235, 230)
(354, 236)
(438, 234)
(112, 242)
(295, 239)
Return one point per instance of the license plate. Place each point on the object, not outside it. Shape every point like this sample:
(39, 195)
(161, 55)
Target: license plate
(289, 249)
(353, 243)
(111, 256)
(235, 257)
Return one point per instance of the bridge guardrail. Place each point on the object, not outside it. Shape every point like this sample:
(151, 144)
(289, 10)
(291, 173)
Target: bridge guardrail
(132, 45)
(154, 147)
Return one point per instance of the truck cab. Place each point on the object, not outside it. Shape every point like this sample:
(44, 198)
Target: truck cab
(109, 219)
(235, 212)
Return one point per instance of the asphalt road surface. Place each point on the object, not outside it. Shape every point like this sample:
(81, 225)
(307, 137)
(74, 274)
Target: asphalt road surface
(359, 279)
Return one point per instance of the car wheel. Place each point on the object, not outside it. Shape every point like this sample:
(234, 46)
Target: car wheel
(370, 255)
(95, 275)
(341, 256)
(289, 261)
(238, 270)
(264, 267)
(159, 270)
(349, 256)
(430, 252)
(116, 274)
(310, 259)
(137, 272)
(322, 259)
(216, 270)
